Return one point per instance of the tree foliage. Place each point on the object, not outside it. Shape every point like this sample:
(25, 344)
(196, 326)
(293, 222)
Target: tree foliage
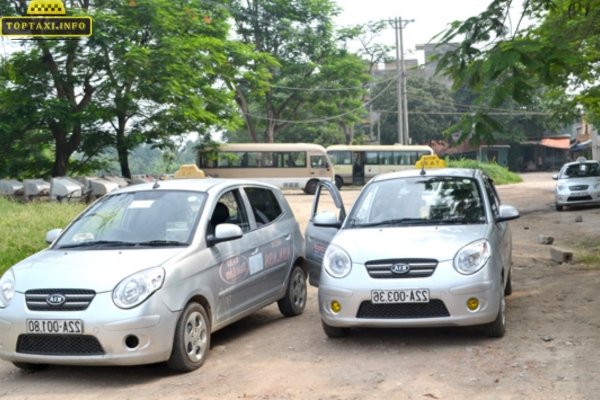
(554, 44)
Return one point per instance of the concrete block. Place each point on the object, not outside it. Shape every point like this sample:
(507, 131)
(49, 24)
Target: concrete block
(561, 255)
(545, 239)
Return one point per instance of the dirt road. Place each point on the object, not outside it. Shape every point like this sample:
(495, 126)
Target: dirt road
(551, 349)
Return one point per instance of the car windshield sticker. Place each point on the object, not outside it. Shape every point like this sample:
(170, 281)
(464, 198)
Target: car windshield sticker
(141, 204)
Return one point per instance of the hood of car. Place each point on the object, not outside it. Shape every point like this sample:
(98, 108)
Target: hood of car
(99, 270)
(589, 180)
(438, 242)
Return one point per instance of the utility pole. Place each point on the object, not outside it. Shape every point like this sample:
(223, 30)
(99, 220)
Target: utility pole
(403, 136)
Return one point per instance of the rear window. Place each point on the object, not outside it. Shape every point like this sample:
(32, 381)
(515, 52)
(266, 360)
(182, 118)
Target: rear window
(265, 206)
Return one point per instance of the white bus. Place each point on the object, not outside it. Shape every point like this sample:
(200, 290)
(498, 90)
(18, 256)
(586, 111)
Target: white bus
(355, 164)
(286, 165)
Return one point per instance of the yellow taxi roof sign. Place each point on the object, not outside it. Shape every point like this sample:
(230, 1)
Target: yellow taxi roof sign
(430, 161)
(46, 7)
(187, 171)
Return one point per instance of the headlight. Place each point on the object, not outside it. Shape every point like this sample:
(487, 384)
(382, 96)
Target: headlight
(136, 288)
(337, 262)
(472, 257)
(7, 288)
(561, 188)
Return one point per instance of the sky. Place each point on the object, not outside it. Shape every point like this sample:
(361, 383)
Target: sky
(430, 17)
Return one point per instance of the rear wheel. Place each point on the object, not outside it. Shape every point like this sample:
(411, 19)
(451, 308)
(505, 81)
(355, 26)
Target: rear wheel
(294, 301)
(335, 332)
(311, 186)
(192, 339)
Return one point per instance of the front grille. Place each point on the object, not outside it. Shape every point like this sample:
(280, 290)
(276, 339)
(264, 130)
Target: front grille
(419, 268)
(76, 299)
(579, 198)
(579, 187)
(59, 345)
(434, 309)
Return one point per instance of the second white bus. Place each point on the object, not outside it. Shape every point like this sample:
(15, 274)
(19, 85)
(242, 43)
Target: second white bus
(356, 164)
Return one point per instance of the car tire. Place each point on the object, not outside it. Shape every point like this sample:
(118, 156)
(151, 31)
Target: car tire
(339, 182)
(508, 288)
(497, 328)
(192, 339)
(30, 367)
(294, 301)
(311, 186)
(559, 207)
(335, 332)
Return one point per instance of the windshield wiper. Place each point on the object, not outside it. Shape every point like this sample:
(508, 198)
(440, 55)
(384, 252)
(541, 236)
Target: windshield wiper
(91, 243)
(397, 221)
(160, 243)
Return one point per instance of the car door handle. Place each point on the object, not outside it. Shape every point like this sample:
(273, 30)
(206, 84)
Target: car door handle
(288, 236)
(255, 251)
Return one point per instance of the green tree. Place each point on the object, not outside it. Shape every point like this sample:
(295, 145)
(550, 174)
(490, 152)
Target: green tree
(298, 35)
(557, 49)
(151, 71)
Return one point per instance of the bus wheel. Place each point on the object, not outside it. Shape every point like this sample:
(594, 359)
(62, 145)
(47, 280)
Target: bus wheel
(339, 182)
(311, 186)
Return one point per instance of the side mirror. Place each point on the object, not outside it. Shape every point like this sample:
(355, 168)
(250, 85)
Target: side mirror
(555, 177)
(224, 233)
(326, 219)
(506, 213)
(52, 235)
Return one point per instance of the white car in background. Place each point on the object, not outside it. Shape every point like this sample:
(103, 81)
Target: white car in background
(147, 273)
(420, 248)
(577, 184)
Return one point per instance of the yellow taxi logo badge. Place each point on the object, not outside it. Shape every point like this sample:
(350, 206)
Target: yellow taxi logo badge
(430, 161)
(46, 19)
(187, 171)
(46, 7)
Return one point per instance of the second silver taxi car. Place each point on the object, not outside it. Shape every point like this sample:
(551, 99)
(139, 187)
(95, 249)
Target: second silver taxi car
(148, 272)
(577, 184)
(421, 248)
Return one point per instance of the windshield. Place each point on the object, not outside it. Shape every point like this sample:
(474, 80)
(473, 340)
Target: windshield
(136, 219)
(583, 170)
(419, 201)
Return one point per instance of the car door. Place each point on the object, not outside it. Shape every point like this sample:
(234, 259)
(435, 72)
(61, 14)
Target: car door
(501, 232)
(317, 236)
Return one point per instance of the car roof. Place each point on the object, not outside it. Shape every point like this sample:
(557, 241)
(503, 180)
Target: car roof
(581, 162)
(416, 172)
(198, 185)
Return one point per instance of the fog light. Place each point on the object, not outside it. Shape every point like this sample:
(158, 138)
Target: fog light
(472, 304)
(336, 307)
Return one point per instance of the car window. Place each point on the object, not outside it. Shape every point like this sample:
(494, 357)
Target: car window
(137, 217)
(318, 162)
(229, 209)
(493, 197)
(582, 170)
(264, 204)
(422, 200)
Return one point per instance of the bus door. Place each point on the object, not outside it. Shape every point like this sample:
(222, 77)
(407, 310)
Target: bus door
(358, 168)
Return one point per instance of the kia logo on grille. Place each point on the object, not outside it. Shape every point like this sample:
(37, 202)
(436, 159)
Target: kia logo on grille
(400, 268)
(55, 299)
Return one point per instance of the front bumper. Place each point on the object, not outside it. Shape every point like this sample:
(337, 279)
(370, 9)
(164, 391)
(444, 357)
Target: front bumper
(448, 294)
(111, 336)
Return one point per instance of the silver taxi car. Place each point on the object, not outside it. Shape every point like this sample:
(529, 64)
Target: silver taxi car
(419, 248)
(577, 184)
(148, 272)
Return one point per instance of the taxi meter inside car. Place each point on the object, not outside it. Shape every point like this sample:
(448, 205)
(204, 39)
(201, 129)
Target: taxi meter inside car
(427, 247)
(146, 274)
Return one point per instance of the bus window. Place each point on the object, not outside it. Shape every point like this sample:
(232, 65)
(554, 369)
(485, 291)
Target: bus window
(371, 157)
(386, 158)
(318, 162)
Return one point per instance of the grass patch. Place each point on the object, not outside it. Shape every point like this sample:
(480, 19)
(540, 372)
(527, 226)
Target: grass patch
(588, 254)
(500, 175)
(24, 227)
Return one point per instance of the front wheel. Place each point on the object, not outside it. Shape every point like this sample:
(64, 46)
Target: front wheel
(192, 339)
(559, 207)
(294, 301)
(339, 182)
(497, 328)
(335, 332)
